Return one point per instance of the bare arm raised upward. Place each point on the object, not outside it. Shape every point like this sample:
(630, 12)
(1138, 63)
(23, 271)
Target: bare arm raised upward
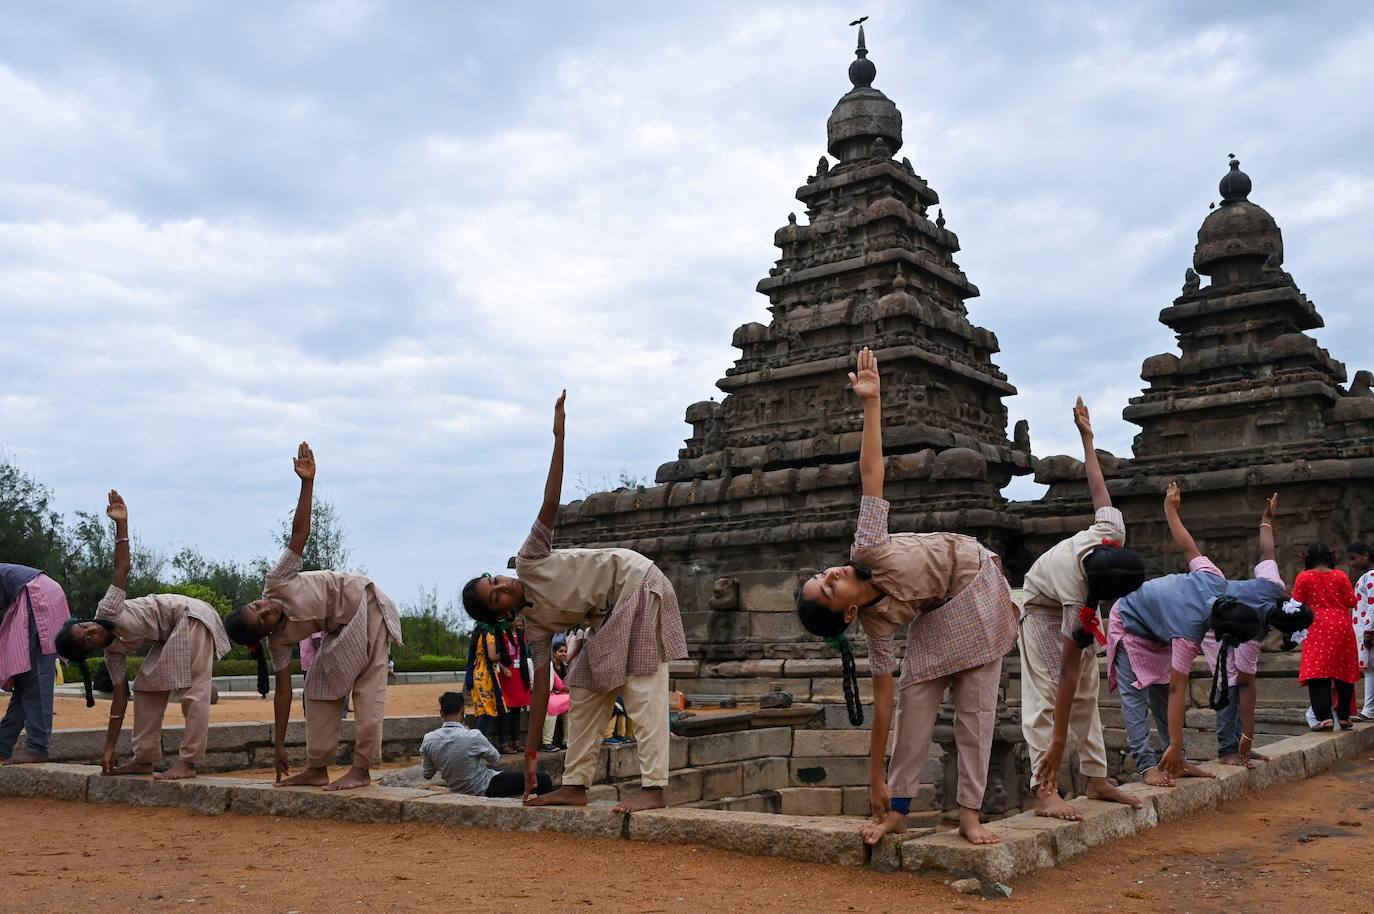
(553, 488)
(1182, 538)
(118, 512)
(300, 525)
(1097, 485)
(864, 381)
(1266, 529)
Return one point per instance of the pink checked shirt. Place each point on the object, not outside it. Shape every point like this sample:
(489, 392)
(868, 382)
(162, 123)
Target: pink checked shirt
(49, 612)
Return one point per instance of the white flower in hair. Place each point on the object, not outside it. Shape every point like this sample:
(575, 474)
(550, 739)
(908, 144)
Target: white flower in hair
(1292, 608)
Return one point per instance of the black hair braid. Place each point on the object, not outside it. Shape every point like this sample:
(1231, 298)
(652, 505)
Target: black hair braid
(73, 652)
(86, 681)
(850, 681)
(260, 655)
(526, 660)
(1234, 624)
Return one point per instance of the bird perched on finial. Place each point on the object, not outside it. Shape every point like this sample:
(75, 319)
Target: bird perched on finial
(859, 21)
(1230, 155)
(1212, 205)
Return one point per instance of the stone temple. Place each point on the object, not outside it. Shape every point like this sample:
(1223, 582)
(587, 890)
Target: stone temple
(767, 484)
(768, 481)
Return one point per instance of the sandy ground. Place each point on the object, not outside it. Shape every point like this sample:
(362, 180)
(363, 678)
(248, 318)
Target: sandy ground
(1301, 847)
(401, 701)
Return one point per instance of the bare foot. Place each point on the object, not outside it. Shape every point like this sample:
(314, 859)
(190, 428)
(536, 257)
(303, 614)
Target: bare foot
(310, 777)
(1193, 771)
(972, 828)
(1256, 757)
(131, 768)
(1156, 778)
(567, 795)
(649, 798)
(1236, 761)
(1050, 804)
(894, 823)
(1103, 789)
(178, 772)
(25, 757)
(353, 777)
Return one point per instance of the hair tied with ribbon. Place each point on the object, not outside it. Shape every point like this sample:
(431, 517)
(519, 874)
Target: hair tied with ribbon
(1092, 623)
(838, 643)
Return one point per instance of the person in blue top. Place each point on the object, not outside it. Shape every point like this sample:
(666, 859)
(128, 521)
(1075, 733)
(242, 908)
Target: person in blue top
(1155, 633)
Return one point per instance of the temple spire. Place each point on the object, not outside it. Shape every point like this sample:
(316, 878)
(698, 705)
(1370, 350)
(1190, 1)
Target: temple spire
(862, 70)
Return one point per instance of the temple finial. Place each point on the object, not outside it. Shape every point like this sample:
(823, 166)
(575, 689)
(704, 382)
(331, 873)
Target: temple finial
(861, 71)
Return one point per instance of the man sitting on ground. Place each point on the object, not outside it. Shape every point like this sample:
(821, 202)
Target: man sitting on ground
(463, 757)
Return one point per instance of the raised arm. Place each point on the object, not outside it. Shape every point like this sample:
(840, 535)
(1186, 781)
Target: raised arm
(864, 381)
(1266, 529)
(553, 488)
(1182, 538)
(1097, 485)
(300, 524)
(118, 512)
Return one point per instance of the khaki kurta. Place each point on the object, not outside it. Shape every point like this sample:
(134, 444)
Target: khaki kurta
(159, 620)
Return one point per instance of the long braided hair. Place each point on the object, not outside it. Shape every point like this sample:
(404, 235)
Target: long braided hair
(236, 627)
(821, 621)
(71, 650)
(1236, 622)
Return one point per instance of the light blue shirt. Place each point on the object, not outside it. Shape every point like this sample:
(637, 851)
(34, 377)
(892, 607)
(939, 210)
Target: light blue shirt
(461, 756)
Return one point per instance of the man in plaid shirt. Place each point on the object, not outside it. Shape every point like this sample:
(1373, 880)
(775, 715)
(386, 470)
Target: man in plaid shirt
(952, 595)
(636, 631)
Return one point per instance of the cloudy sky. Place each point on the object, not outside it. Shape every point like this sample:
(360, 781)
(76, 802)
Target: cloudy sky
(396, 230)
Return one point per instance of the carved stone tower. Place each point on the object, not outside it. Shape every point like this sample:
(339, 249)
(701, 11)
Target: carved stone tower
(1251, 405)
(767, 484)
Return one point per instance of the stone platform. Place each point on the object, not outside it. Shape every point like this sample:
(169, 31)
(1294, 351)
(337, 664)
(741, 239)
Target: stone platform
(1028, 843)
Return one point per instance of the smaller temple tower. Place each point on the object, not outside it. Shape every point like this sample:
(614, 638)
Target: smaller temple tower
(1250, 405)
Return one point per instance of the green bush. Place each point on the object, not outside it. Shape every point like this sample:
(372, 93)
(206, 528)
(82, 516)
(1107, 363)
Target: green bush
(428, 663)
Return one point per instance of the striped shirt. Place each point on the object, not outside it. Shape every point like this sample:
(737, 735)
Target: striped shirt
(49, 604)
(160, 620)
(635, 629)
(461, 756)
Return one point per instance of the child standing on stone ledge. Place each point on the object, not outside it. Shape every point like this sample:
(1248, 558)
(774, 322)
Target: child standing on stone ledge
(360, 624)
(962, 623)
(636, 631)
(1330, 656)
(186, 637)
(1061, 636)
(1155, 634)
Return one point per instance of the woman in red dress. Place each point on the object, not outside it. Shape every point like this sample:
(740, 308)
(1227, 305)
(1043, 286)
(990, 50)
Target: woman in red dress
(1330, 657)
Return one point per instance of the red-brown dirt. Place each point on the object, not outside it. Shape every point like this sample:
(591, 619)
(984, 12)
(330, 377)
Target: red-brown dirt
(1299, 847)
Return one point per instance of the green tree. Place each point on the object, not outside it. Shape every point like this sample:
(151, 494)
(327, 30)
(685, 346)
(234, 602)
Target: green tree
(327, 549)
(431, 630)
(31, 531)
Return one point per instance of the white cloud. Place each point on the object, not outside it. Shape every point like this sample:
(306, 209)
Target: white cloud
(397, 231)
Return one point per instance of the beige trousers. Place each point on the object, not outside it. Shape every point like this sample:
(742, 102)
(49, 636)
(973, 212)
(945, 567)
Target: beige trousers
(323, 717)
(149, 707)
(975, 721)
(1040, 682)
(646, 702)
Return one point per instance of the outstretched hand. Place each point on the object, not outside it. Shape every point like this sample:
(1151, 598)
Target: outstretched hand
(1271, 508)
(559, 415)
(1081, 419)
(1173, 497)
(864, 379)
(117, 511)
(305, 462)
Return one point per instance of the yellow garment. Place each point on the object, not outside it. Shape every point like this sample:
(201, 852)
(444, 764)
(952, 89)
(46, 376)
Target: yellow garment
(482, 702)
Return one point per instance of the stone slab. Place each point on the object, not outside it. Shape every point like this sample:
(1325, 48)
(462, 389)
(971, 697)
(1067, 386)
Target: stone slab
(1020, 852)
(743, 744)
(829, 771)
(52, 781)
(793, 837)
(512, 815)
(761, 774)
(365, 804)
(834, 742)
(205, 795)
(812, 801)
